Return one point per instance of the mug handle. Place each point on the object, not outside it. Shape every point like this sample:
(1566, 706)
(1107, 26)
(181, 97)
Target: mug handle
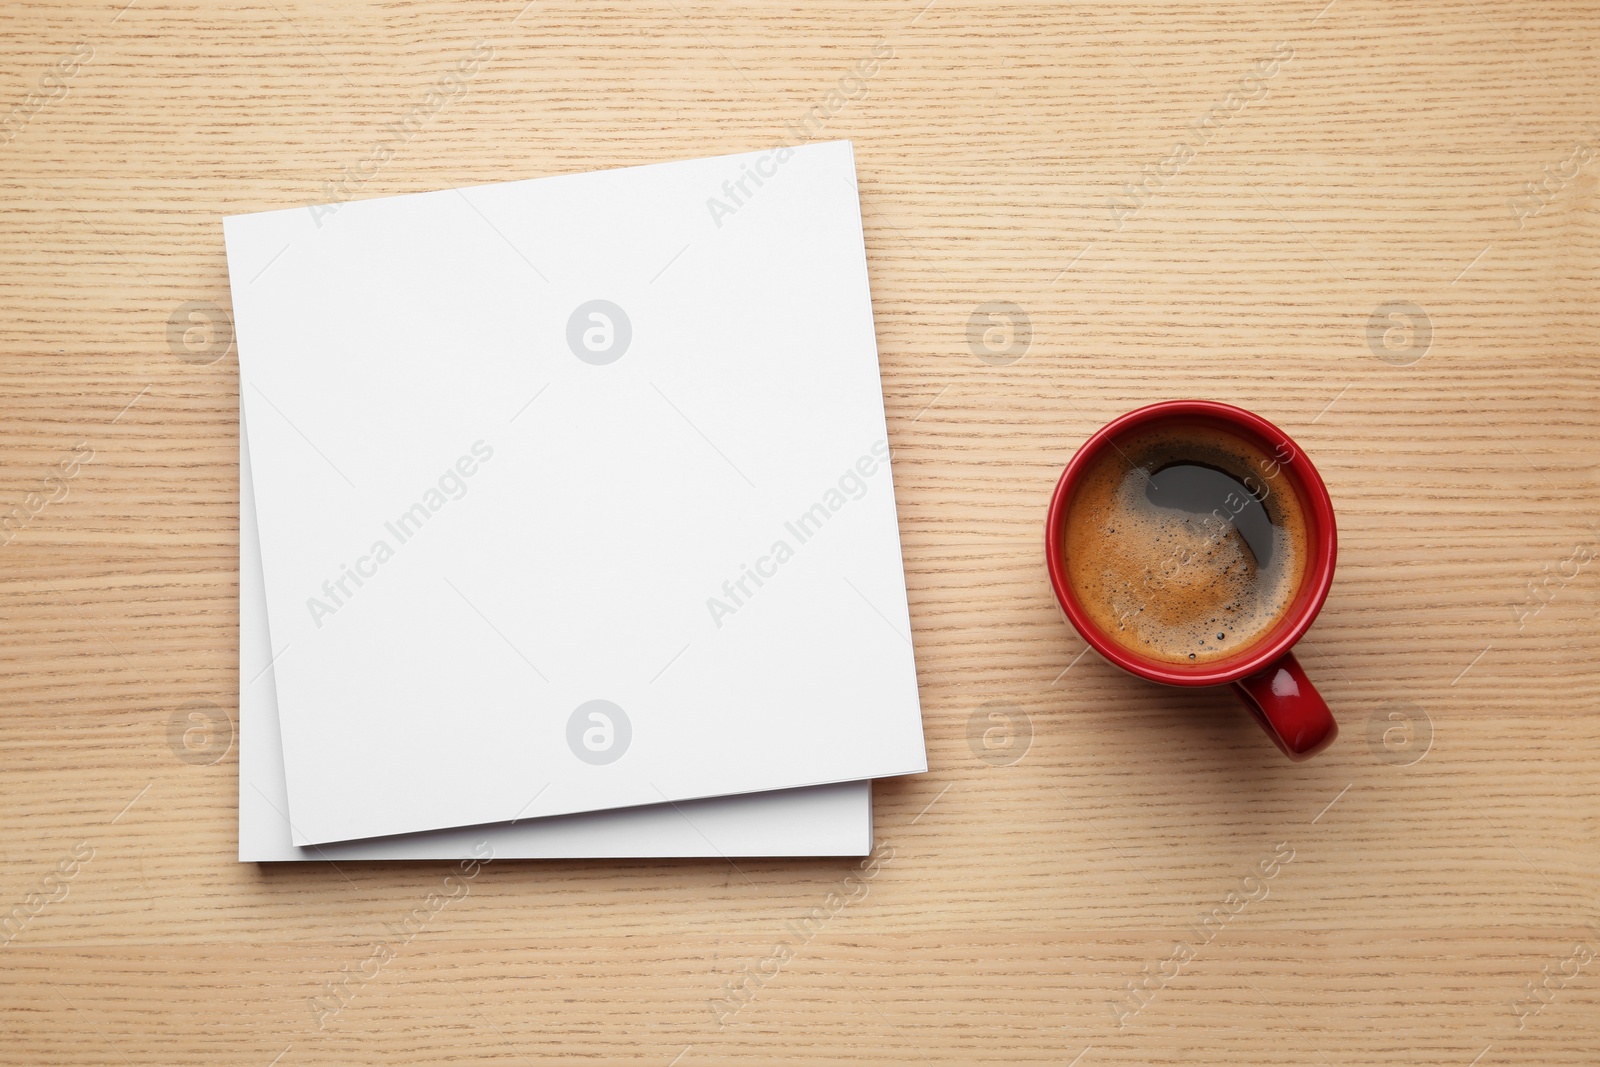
(1289, 708)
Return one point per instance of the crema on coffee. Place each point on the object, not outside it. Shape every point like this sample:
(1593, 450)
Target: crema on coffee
(1185, 543)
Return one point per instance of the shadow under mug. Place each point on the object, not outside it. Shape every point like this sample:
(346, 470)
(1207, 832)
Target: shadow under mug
(1265, 674)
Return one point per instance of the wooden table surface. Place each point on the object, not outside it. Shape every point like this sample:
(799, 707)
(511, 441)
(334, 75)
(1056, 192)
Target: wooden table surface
(1375, 224)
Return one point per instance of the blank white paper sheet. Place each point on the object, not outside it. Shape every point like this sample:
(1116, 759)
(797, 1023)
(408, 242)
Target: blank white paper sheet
(574, 494)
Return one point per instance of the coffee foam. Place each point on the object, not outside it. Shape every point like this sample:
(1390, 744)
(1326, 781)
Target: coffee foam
(1173, 585)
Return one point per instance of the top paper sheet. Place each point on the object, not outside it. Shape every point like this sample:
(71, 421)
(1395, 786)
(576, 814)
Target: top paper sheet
(574, 494)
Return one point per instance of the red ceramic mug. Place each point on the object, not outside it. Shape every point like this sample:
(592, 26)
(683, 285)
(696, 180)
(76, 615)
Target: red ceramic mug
(1264, 674)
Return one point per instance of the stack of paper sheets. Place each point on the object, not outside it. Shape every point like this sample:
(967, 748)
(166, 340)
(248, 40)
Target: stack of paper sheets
(567, 520)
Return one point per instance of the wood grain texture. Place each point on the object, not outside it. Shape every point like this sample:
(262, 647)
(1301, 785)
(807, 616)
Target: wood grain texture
(1442, 860)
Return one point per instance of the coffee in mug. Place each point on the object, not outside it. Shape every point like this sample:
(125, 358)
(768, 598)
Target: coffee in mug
(1192, 543)
(1186, 543)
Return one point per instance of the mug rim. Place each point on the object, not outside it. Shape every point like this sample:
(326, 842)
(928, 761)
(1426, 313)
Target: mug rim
(1321, 557)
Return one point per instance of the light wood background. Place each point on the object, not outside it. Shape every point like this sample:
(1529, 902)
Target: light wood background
(1444, 851)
